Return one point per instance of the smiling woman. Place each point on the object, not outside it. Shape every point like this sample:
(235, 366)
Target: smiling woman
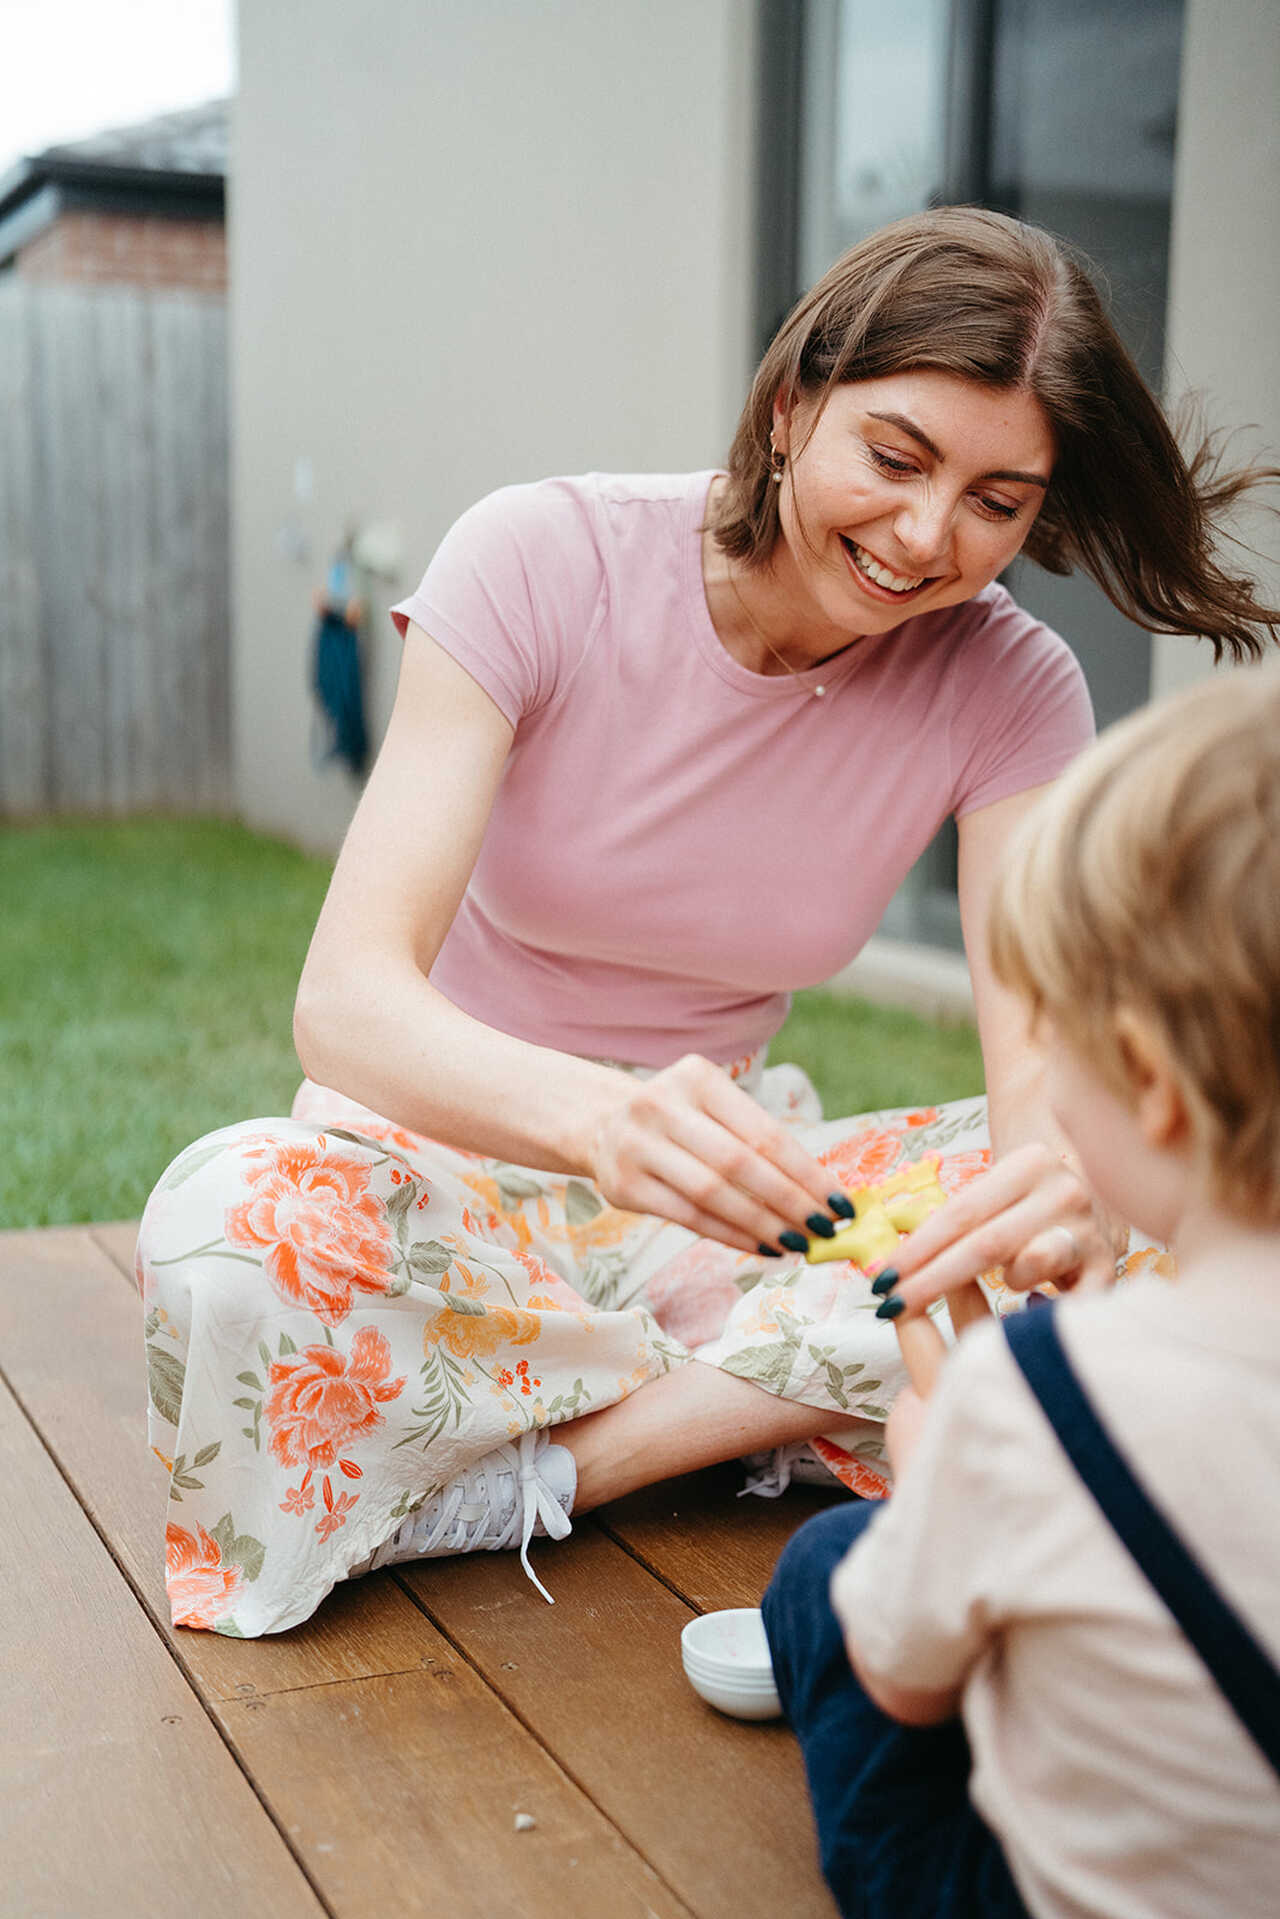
(611, 826)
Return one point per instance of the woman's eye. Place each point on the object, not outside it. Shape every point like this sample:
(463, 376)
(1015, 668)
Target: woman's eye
(888, 464)
(1000, 508)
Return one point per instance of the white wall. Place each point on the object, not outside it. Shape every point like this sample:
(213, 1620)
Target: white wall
(1224, 302)
(472, 241)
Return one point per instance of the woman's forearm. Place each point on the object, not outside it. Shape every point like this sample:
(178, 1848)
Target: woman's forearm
(389, 1039)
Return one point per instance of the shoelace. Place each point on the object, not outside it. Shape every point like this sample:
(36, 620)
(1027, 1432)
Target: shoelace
(463, 1516)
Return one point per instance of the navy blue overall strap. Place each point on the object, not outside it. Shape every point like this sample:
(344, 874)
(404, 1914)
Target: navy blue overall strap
(1245, 1675)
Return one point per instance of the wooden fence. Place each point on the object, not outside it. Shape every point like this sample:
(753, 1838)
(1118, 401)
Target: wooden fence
(114, 591)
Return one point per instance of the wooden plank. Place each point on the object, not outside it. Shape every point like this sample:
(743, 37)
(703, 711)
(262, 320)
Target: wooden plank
(717, 1805)
(342, 1722)
(118, 1795)
(713, 1548)
(402, 1794)
(117, 1239)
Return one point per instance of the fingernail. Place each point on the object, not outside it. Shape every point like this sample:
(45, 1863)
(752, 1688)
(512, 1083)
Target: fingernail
(770, 1252)
(890, 1308)
(884, 1282)
(794, 1242)
(819, 1223)
(840, 1204)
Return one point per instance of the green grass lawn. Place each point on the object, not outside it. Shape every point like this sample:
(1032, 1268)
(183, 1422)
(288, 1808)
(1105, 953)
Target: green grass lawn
(147, 971)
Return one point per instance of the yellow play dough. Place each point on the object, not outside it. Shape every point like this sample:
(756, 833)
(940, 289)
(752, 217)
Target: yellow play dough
(882, 1214)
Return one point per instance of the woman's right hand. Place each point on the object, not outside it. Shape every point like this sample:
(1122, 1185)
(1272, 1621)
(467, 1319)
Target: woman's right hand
(691, 1146)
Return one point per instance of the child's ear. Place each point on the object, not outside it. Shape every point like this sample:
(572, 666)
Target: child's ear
(1155, 1086)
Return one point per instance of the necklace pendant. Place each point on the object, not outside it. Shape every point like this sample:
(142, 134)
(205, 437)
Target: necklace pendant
(818, 692)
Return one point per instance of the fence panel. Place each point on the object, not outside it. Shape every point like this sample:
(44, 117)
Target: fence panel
(114, 642)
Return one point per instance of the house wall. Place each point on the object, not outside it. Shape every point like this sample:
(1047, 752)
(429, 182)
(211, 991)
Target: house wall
(1224, 300)
(84, 248)
(470, 244)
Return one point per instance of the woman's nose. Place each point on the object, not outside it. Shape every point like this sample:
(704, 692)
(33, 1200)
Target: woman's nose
(922, 528)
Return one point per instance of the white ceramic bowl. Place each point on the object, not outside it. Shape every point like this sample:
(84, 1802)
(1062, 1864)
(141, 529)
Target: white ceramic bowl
(726, 1661)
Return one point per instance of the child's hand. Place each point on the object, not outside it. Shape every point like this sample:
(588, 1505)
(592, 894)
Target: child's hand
(924, 1352)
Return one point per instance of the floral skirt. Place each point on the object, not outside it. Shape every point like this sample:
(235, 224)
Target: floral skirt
(341, 1315)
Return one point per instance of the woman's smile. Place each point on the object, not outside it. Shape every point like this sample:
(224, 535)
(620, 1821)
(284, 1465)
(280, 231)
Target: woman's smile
(878, 578)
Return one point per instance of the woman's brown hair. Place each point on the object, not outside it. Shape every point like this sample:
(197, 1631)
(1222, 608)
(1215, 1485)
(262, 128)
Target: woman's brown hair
(977, 294)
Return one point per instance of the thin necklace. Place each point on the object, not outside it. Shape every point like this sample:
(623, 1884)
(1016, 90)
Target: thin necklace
(818, 692)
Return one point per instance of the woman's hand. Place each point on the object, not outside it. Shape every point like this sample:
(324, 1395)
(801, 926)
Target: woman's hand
(1031, 1214)
(692, 1147)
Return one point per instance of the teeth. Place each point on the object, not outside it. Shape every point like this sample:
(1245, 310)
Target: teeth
(896, 582)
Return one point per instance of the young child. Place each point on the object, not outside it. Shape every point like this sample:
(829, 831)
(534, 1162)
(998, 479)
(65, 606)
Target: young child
(1096, 1767)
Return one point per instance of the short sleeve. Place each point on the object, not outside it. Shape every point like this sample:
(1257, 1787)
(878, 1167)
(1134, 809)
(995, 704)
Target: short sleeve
(514, 593)
(1022, 711)
(921, 1592)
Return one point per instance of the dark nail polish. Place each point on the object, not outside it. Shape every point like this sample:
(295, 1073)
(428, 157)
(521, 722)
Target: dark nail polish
(890, 1308)
(840, 1204)
(770, 1252)
(886, 1281)
(819, 1223)
(794, 1242)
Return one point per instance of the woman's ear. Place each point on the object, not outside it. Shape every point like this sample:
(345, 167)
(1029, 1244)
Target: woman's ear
(781, 434)
(1155, 1085)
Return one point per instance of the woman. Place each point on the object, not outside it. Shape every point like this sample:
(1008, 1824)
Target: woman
(661, 750)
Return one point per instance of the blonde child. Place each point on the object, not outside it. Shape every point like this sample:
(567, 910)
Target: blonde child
(1029, 1729)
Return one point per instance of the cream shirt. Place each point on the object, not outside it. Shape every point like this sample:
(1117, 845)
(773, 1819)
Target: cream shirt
(1118, 1780)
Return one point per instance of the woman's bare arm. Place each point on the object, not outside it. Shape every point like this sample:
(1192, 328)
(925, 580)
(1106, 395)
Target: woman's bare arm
(687, 1144)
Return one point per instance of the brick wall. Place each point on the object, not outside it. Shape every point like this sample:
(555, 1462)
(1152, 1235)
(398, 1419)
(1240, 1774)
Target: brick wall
(98, 249)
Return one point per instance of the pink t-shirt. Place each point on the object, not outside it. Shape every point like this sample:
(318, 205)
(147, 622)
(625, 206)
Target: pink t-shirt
(678, 842)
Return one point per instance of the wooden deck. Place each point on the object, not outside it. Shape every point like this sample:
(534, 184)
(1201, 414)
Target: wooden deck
(373, 1761)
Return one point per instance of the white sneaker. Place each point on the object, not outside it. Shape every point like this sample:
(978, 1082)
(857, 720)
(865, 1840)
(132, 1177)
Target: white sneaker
(521, 1490)
(769, 1474)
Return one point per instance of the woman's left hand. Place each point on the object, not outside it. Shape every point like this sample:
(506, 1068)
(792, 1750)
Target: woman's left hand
(1030, 1214)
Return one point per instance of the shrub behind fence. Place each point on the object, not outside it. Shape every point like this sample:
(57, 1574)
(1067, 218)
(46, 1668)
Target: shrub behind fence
(114, 645)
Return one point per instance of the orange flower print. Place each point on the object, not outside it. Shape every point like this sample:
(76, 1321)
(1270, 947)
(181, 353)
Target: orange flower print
(318, 1402)
(320, 1230)
(959, 1169)
(201, 1589)
(476, 1335)
(925, 1117)
(397, 1136)
(857, 1474)
(864, 1159)
(1152, 1259)
(337, 1506)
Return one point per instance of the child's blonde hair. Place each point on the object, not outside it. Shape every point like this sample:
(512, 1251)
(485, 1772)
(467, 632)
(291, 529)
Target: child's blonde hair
(1149, 877)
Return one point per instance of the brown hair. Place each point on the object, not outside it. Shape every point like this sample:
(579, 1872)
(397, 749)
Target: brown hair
(1149, 878)
(977, 294)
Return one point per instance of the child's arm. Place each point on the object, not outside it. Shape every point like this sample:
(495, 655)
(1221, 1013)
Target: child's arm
(924, 1352)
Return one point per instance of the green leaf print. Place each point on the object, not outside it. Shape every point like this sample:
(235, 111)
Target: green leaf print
(581, 1204)
(429, 1257)
(238, 1549)
(514, 1186)
(457, 1305)
(768, 1365)
(400, 1202)
(745, 1281)
(166, 1377)
(207, 1454)
(355, 1139)
(188, 1164)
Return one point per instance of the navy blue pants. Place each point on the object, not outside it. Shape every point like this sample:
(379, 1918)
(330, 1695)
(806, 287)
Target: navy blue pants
(897, 1834)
